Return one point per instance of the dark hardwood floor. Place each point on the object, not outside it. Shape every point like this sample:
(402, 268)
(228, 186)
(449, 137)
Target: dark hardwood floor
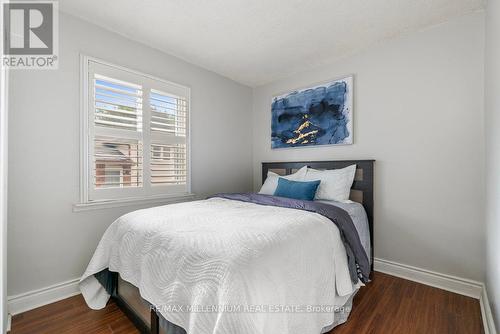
(387, 305)
(395, 305)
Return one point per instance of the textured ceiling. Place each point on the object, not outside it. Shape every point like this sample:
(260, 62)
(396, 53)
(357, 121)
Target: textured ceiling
(258, 41)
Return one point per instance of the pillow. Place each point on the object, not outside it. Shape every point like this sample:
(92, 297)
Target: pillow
(271, 183)
(335, 183)
(295, 189)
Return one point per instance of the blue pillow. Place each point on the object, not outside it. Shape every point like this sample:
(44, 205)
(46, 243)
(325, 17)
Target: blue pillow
(295, 189)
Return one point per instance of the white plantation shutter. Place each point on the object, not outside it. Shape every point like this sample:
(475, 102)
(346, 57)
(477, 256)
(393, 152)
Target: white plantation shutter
(137, 141)
(168, 114)
(112, 155)
(117, 104)
(169, 163)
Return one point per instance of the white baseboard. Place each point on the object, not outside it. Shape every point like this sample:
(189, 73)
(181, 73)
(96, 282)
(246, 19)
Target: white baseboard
(488, 322)
(9, 322)
(455, 284)
(36, 298)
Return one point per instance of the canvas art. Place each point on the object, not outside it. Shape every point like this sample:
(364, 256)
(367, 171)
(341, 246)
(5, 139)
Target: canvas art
(317, 115)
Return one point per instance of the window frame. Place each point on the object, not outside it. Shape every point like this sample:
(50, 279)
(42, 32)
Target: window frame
(139, 195)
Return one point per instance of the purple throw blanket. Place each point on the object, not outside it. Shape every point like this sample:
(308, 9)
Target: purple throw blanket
(359, 264)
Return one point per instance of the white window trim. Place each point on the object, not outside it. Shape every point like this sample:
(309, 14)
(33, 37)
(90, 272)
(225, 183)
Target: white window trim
(85, 202)
(116, 203)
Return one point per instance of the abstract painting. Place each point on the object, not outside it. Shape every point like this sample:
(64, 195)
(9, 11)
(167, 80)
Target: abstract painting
(317, 115)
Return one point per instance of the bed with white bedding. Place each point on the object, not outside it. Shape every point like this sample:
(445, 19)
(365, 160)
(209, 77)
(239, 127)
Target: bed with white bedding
(229, 266)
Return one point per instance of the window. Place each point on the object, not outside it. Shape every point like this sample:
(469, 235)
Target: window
(135, 136)
(112, 176)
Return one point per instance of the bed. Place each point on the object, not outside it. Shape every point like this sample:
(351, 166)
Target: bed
(271, 277)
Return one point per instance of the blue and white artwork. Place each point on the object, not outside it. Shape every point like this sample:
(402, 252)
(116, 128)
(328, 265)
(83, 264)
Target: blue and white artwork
(318, 115)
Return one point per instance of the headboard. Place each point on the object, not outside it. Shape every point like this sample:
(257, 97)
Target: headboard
(362, 187)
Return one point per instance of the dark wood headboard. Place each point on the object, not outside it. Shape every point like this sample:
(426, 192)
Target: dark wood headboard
(362, 187)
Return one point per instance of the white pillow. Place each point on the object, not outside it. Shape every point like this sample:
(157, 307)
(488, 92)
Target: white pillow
(335, 183)
(271, 183)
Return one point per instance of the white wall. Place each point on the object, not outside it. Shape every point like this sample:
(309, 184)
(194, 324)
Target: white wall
(493, 156)
(3, 197)
(48, 243)
(418, 110)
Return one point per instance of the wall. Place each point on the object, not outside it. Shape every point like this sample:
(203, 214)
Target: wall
(492, 95)
(3, 197)
(48, 243)
(418, 110)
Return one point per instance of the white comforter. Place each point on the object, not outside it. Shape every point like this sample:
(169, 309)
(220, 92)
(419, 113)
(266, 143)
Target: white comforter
(222, 256)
